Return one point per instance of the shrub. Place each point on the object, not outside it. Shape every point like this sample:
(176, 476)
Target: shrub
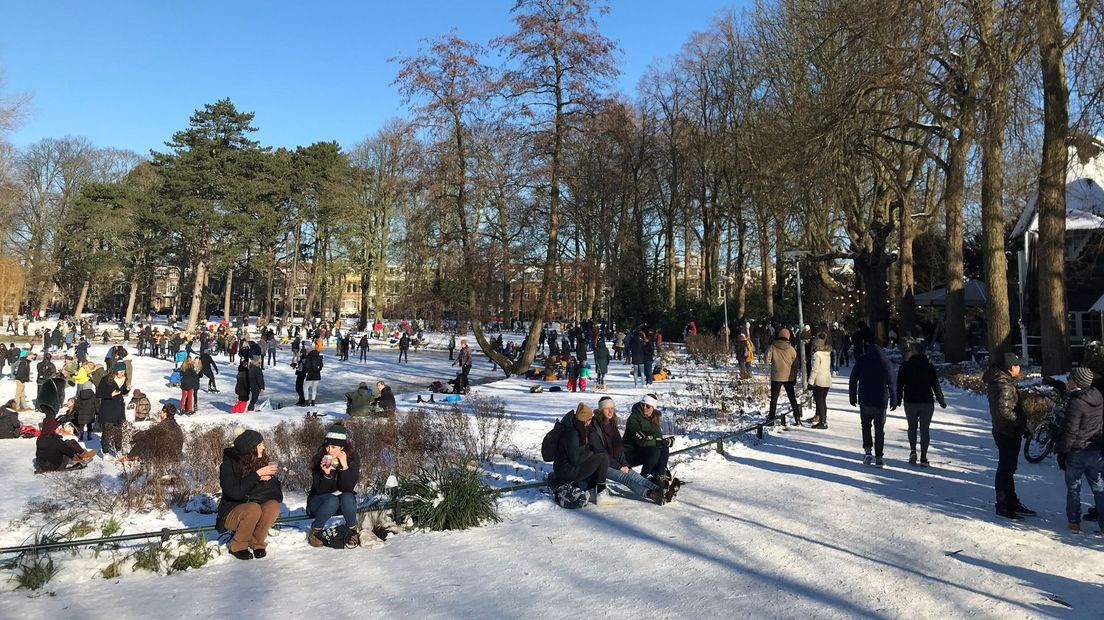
(34, 572)
(1094, 356)
(476, 429)
(147, 558)
(294, 443)
(708, 349)
(112, 570)
(193, 553)
(446, 496)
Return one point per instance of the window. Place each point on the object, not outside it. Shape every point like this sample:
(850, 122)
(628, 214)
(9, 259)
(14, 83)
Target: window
(172, 289)
(302, 290)
(525, 294)
(579, 296)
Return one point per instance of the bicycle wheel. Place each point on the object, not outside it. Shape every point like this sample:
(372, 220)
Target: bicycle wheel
(1039, 445)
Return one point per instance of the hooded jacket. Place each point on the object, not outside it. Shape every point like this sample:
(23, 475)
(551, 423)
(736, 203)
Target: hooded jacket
(1008, 417)
(572, 449)
(1084, 423)
(9, 423)
(640, 432)
(86, 407)
(783, 360)
(359, 402)
(386, 400)
(873, 382)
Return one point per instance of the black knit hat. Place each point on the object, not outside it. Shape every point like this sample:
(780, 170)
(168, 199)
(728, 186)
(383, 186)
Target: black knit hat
(248, 440)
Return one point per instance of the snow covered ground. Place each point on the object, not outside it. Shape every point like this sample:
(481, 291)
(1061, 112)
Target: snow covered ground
(795, 526)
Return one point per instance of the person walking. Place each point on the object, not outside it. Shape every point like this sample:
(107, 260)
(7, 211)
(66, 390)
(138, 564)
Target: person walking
(1079, 447)
(873, 386)
(1009, 426)
(210, 369)
(112, 390)
(312, 374)
(364, 347)
(635, 347)
(464, 361)
(782, 357)
(820, 380)
(22, 378)
(918, 389)
(404, 348)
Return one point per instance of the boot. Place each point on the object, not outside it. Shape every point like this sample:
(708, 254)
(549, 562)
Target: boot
(657, 496)
(1017, 506)
(312, 403)
(814, 421)
(912, 457)
(868, 459)
(1006, 512)
(244, 554)
(313, 538)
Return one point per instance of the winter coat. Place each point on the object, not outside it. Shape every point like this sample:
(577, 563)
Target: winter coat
(601, 358)
(649, 353)
(581, 349)
(46, 370)
(464, 357)
(640, 432)
(112, 408)
(821, 374)
(23, 370)
(241, 386)
(51, 394)
(386, 400)
(163, 440)
(189, 379)
(51, 451)
(1008, 417)
(1084, 423)
(343, 481)
(312, 366)
(238, 489)
(917, 382)
(783, 360)
(572, 449)
(636, 350)
(141, 407)
(873, 380)
(9, 423)
(606, 439)
(359, 402)
(210, 368)
(255, 376)
(86, 407)
(404, 343)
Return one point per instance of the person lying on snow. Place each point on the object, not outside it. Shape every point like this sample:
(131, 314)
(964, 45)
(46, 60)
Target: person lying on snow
(605, 438)
(57, 448)
(164, 440)
(576, 462)
(645, 444)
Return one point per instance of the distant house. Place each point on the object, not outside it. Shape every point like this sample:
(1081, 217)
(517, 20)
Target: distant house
(1084, 258)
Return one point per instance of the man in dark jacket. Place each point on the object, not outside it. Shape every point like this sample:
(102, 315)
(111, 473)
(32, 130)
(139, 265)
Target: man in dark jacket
(22, 378)
(464, 361)
(575, 462)
(1009, 426)
(404, 348)
(1080, 444)
(256, 380)
(873, 386)
(359, 401)
(385, 402)
(112, 391)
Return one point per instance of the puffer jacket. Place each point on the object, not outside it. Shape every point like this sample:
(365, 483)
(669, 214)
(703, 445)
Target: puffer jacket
(640, 432)
(572, 449)
(783, 360)
(86, 407)
(821, 375)
(1008, 417)
(1084, 423)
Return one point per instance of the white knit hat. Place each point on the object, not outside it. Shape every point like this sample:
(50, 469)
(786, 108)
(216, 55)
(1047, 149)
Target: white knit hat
(648, 399)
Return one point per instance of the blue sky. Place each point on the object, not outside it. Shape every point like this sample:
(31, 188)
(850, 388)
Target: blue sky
(128, 74)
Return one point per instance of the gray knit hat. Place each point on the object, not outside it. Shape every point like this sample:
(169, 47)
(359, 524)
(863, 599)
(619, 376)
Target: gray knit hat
(1082, 377)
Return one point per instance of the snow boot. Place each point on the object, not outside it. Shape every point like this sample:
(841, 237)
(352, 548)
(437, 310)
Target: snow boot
(244, 554)
(259, 553)
(912, 458)
(1017, 506)
(879, 462)
(814, 421)
(657, 496)
(868, 459)
(924, 462)
(420, 398)
(1007, 512)
(312, 403)
(1075, 527)
(313, 538)
(673, 489)
(431, 398)
(821, 427)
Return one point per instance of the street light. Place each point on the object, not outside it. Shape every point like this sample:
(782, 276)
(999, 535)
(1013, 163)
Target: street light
(727, 280)
(796, 254)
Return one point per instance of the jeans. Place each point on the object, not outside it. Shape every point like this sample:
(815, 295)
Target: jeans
(776, 388)
(919, 414)
(835, 360)
(638, 374)
(272, 356)
(299, 381)
(1008, 456)
(310, 389)
(404, 354)
(649, 368)
(635, 482)
(653, 459)
(820, 397)
(322, 507)
(1088, 464)
(876, 417)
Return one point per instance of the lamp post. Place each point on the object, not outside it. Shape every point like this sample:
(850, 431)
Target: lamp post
(796, 254)
(727, 279)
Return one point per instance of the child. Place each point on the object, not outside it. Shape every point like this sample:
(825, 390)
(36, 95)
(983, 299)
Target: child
(572, 374)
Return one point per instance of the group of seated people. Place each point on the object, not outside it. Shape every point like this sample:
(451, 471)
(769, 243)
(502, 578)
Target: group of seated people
(58, 446)
(592, 450)
(363, 402)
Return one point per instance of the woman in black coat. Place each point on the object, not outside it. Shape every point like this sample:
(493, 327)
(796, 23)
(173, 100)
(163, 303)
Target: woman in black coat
(251, 496)
(918, 389)
(334, 476)
(241, 386)
(112, 391)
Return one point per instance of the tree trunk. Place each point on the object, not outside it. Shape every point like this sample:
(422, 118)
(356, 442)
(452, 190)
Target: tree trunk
(226, 294)
(954, 199)
(765, 265)
(906, 282)
(1051, 254)
(992, 222)
(82, 298)
(291, 288)
(669, 260)
(365, 282)
(132, 299)
(198, 285)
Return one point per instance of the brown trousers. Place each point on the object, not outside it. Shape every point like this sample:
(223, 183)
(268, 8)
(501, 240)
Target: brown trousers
(250, 523)
(20, 396)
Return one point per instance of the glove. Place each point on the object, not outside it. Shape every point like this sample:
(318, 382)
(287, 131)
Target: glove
(942, 404)
(670, 441)
(854, 404)
(1062, 461)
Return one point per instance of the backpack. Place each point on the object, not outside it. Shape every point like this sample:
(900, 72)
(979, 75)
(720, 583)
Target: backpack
(570, 496)
(339, 537)
(437, 387)
(551, 440)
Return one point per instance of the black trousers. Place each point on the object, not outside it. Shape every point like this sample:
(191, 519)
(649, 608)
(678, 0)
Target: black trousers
(653, 459)
(820, 397)
(776, 388)
(1008, 457)
(404, 354)
(464, 375)
(590, 473)
(299, 377)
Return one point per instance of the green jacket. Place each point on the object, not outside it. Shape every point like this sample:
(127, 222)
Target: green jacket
(639, 431)
(601, 359)
(360, 402)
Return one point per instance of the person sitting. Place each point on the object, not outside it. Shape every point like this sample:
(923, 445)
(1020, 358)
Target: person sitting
(164, 440)
(140, 403)
(385, 402)
(644, 442)
(359, 401)
(9, 421)
(575, 462)
(605, 438)
(53, 452)
(334, 477)
(251, 496)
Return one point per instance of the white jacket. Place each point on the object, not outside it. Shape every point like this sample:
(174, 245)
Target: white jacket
(821, 375)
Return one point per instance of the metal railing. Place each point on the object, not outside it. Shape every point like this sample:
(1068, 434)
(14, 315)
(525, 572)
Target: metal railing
(166, 533)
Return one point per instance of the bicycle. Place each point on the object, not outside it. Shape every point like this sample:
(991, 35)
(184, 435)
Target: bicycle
(1040, 442)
